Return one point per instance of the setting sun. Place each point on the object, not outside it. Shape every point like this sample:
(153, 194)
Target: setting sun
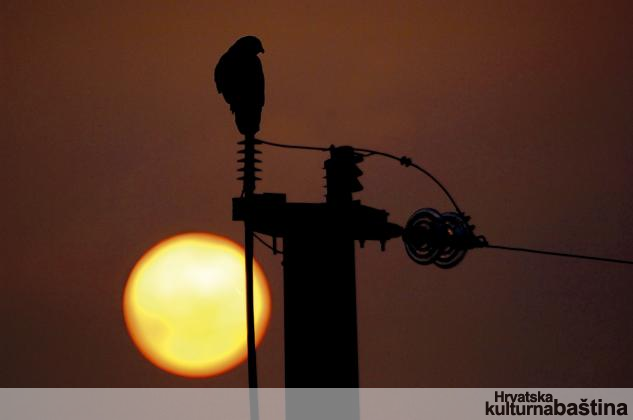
(184, 304)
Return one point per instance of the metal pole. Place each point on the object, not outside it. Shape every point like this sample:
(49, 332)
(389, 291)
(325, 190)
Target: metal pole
(249, 179)
(250, 316)
(250, 323)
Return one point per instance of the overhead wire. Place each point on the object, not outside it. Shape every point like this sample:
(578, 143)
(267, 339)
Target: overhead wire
(403, 160)
(558, 254)
(292, 146)
(407, 162)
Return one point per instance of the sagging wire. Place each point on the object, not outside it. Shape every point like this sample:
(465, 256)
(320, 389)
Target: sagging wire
(404, 161)
(293, 146)
(558, 254)
(408, 162)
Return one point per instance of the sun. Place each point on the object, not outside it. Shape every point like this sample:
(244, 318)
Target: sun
(184, 304)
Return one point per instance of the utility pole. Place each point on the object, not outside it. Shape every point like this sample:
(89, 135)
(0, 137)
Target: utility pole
(249, 179)
(320, 321)
(320, 316)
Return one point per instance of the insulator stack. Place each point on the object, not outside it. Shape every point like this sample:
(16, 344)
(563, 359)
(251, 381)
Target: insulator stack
(341, 174)
(249, 169)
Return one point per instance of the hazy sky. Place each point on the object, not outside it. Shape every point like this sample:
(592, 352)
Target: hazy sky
(113, 138)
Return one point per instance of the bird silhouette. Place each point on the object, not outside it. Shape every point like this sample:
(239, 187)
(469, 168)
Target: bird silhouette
(239, 77)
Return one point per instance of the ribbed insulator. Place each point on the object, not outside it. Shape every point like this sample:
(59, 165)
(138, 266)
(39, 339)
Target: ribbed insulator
(249, 162)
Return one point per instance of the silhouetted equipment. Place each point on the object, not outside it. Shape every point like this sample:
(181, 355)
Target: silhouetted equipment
(320, 327)
(249, 160)
(341, 174)
(437, 238)
(239, 77)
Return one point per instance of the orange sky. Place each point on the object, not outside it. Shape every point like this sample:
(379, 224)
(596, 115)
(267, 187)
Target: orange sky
(114, 138)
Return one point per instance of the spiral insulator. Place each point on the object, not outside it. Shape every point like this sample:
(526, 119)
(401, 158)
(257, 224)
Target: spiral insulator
(249, 169)
(431, 237)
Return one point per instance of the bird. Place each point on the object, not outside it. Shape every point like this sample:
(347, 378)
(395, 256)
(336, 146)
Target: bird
(239, 77)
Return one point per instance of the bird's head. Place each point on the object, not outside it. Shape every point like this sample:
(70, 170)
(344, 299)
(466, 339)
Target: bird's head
(249, 45)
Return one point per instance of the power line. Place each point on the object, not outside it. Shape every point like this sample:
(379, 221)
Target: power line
(404, 161)
(558, 254)
(293, 146)
(408, 162)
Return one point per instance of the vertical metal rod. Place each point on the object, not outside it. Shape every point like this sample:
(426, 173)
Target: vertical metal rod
(248, 190)
(250, 316)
